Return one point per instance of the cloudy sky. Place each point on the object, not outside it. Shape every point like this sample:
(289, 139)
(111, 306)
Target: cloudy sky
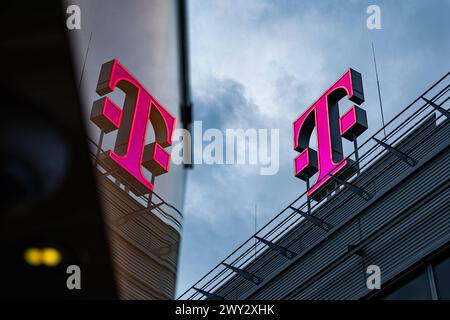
(259, 64)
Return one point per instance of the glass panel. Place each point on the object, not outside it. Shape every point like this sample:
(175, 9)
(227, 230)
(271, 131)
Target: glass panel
(442, 277)
(415, 288)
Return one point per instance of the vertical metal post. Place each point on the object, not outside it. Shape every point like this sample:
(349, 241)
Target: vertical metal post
(149, 202)
(355, 146)
(308, 200)
(99, 147)
(431, 279)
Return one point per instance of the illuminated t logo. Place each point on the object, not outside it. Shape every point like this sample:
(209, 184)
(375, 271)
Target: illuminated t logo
(324, 116)
(130, 152)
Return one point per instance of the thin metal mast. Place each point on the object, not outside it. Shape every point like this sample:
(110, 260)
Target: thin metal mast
(378, 87)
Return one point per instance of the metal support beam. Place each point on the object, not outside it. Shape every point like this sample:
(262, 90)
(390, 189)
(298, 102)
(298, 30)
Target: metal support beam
(245, 274)
(357, 190)
(210, 296)
(399, 154)
(352, 247)
(281, 250)
(314, 220)
(437, 107)
(120, 221)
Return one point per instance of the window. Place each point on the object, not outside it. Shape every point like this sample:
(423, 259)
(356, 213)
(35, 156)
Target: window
(430, 281)
(415, 288)
(442, 278)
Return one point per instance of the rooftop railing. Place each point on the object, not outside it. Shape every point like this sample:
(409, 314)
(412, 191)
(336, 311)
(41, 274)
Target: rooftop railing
(152, 202)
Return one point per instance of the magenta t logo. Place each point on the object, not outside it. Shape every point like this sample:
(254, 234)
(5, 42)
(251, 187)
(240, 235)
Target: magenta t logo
(130, 152)
(323, 115)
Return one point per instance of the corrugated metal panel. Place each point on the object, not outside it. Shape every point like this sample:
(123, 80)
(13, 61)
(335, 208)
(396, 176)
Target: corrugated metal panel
(144, 249)
(144, 271)
(345, 279)
(393, 252)
(388, 209)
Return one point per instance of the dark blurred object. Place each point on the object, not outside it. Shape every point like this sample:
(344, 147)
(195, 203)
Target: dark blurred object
(50, 217)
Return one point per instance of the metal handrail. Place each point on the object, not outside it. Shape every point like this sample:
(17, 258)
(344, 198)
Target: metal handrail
(175, 218)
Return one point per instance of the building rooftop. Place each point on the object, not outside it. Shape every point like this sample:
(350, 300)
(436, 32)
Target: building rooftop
(382, 161)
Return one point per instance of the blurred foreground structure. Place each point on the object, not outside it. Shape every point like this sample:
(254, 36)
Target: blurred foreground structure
(61, 203)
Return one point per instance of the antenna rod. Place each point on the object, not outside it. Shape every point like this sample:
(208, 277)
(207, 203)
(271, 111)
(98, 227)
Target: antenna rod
(84, 62)
(379, 91)
(255, 228)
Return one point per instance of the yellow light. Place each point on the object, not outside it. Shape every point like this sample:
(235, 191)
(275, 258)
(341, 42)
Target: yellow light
(51, 257)
(33, 256)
